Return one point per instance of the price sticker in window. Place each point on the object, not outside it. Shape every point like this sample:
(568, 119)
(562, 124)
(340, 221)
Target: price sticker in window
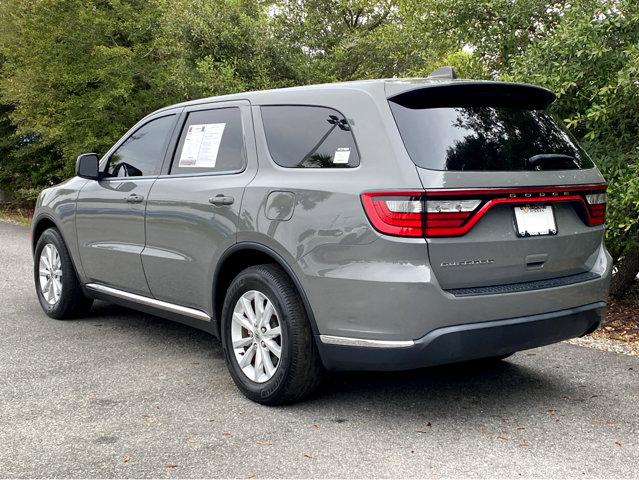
(342, 155)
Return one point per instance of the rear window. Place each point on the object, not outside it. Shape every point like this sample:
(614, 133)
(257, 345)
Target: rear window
(309, 137)
(486, 138)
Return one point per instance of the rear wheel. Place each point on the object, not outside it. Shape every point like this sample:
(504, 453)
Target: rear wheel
(267, 338)
(57, 285)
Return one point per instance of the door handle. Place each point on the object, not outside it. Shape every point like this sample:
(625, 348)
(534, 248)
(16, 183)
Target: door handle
(134, 198)
(221, 200)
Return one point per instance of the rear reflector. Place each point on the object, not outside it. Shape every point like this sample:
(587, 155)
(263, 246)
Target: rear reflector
(453, 213)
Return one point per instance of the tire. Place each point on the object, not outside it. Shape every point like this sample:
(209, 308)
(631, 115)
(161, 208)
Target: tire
(298, 371)
(71, 302)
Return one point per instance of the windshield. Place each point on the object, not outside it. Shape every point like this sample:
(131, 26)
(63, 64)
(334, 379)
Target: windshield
(484, 137)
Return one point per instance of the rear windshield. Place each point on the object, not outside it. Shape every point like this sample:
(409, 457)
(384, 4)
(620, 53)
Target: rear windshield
(488, 138)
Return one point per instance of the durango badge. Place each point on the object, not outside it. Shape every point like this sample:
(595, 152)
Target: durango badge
(465, 263)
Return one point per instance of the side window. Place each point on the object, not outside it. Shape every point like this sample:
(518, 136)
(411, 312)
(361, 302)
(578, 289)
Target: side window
(142, 153)
(211, 141)
(309, 137)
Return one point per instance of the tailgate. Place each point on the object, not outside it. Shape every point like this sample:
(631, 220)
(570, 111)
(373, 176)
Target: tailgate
(510, 196)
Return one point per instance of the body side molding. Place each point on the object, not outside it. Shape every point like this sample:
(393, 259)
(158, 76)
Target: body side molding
(365, 342)
(150, 302)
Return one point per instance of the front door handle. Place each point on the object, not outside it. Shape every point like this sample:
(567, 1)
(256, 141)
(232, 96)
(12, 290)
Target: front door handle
(134, 198)
(221, 200)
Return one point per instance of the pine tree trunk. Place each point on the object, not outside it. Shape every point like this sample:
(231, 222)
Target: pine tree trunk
(626, 273)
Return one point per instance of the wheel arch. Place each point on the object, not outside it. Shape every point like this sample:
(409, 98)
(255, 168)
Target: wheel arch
(243, 255)
(42, 223)
(39, 226)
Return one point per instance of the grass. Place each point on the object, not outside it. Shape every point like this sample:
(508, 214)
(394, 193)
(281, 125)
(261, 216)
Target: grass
(16, 214)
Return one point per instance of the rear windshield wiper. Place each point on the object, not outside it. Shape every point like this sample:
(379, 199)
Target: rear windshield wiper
(551, 161)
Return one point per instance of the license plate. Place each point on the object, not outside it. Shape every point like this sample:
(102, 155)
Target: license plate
(535, 220)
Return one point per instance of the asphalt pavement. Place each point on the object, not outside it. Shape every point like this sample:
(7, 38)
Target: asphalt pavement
(126, 394)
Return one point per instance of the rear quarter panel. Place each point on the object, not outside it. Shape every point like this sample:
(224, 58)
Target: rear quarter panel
(322, 238)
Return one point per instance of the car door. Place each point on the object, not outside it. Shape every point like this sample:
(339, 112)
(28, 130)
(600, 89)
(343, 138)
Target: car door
(110, 212)
(193, 207)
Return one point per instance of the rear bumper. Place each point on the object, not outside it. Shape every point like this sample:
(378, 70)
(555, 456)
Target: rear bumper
(461, 342)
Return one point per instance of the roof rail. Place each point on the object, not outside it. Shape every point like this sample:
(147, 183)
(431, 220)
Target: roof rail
(443, 72)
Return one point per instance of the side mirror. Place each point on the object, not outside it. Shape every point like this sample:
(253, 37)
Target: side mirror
(87, 166)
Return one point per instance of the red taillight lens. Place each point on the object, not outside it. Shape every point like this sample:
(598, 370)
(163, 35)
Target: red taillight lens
(400, 214)
(409, 214)
(453, 213)
(446, 218)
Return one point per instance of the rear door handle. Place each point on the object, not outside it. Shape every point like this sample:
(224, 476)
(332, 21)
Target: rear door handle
(221, 200)
(134, 198)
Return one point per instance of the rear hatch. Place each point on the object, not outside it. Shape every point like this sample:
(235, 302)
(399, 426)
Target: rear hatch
(510, 196)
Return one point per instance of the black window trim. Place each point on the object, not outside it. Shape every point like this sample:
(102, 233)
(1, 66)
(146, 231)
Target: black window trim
(104, 161)
(180, 128)
(288, 169)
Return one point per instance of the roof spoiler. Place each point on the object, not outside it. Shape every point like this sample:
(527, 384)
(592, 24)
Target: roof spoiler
(475, 94)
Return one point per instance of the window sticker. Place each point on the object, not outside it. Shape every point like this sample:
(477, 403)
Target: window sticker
(342, 155)
(201, 145)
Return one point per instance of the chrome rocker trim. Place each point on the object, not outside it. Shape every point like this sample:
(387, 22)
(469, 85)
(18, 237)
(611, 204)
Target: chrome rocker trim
(363, 342)
(150, 302)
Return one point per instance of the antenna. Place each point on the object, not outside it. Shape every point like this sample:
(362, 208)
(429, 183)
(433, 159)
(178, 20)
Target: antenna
(443, 72)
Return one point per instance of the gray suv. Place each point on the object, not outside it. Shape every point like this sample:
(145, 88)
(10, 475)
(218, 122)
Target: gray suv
(369, 225)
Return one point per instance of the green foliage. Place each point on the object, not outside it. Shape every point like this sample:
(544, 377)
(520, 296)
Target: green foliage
(497, 30)
(214, 48)
(79, 73)
(26, 165)
(336, 40)
(622, 173)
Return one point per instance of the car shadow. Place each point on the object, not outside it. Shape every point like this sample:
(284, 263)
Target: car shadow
(472, 389)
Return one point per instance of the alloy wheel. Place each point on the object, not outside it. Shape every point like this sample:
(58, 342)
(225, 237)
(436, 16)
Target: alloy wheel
(256, 335)
(50, 273)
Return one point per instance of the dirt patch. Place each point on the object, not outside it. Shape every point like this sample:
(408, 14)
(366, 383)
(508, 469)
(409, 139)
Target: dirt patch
(622, 319)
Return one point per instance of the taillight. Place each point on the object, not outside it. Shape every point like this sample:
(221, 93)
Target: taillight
(410, 214)
(445, 217)
(400, 214)
(453, 213)
(596, 208)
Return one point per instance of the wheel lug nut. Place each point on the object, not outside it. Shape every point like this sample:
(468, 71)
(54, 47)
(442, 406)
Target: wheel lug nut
(263, 344)
(263, 329)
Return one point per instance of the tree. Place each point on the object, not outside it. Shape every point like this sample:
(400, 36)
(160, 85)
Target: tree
(214, 48)
(338, 40)
(77, 74)
(493, 30)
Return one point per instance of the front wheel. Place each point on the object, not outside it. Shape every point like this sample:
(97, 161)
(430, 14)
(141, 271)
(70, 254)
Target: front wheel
(267, 338)
(57, 285)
